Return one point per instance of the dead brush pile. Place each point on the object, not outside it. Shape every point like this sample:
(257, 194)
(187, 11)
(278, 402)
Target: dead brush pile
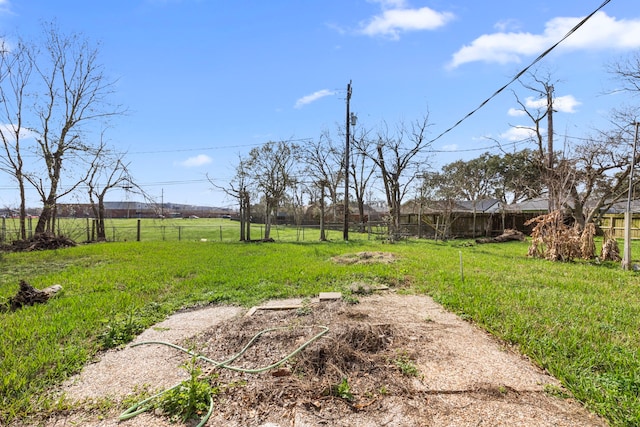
(554, 240)
(39, 242)
(356, 364)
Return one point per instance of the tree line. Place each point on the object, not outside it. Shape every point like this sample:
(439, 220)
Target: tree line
(582, 179)
(56, 111)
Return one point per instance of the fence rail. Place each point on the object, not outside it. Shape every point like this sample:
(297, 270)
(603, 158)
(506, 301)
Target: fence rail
(213, 229)
(203, 229)
(614, 225)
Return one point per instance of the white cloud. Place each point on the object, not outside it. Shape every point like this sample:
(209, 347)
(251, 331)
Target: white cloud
(450, 147)
(565, 104)
(8, 130)
(519, 133)
(397, 18)
(390, 4)
(199, 160)
(308, 99)
(600, 32)
(531, 102)
(507, 24)
(514, 112)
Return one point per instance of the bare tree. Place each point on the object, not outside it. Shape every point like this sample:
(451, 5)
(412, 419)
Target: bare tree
(294, 200)
(106, 172)
(544, 89)
(73, 94)
(240, 189)
(325, 171)
(15, 73)
(272, 168)
(599, 166)
(627, 72)
(398, 157)
(602, 168)
(362, 170)
(438, 189)
(335, 176)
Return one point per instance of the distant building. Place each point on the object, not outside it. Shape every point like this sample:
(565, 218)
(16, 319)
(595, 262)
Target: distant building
(131, 209)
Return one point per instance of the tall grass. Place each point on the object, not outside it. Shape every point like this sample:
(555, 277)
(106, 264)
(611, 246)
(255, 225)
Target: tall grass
(578, 320)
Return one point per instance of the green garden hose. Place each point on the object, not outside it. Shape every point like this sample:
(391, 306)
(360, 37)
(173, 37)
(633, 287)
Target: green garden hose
(141, 407)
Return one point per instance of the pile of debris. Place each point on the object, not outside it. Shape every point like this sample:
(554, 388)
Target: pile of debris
(28, 295)
(553, 239)
(40, 242)
(507, 236)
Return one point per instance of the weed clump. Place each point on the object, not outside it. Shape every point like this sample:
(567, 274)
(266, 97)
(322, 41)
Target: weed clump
(120, 330)
(190, 399)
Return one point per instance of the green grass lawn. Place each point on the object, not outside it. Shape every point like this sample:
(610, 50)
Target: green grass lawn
(578, 320)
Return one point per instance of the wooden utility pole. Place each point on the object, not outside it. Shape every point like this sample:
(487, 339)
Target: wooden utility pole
(626, 257)
(345, 232)
(551, 181)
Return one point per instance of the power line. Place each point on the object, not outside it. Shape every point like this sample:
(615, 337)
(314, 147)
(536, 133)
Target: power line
(524, 70)
(485, 148)
(206, 180)
(458, 123)
(222, 147)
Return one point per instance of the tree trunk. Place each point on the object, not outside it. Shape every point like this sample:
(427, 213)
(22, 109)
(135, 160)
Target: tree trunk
(361, 213)
(323, 236)
(48, 208)
(243, 218)
(247, 209)
(578, 209)
(388, 192)
(23, 211)
(267, 222)
(44, 220)
(100, 228)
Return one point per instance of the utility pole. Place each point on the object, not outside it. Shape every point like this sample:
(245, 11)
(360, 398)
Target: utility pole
(345, 233)
(626, 257)
(551, 181)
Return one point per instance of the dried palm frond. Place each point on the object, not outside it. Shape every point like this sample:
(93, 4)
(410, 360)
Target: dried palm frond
(552, 239)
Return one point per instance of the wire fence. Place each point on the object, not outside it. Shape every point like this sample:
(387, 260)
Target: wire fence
(204, 229)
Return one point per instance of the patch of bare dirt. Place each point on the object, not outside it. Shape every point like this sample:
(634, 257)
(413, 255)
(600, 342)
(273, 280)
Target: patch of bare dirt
(365, 258)
(455, 374)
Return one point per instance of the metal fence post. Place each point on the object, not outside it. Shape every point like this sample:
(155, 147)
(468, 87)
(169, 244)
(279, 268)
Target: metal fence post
(138, 236)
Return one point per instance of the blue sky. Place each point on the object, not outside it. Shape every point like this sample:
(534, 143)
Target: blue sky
(205, 81)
